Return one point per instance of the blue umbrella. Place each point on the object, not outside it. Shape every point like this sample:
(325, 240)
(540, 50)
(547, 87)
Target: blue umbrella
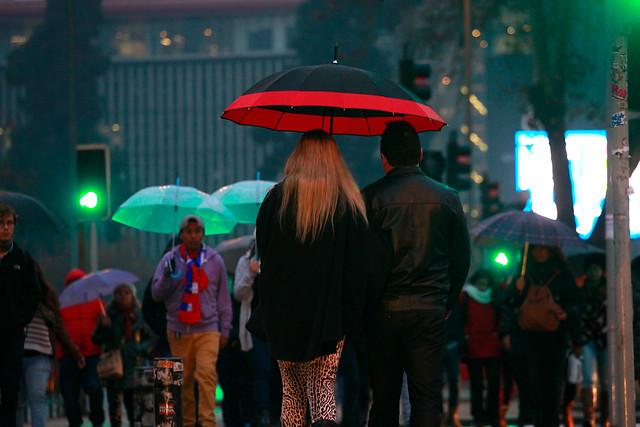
(95, 285)
(244, 198)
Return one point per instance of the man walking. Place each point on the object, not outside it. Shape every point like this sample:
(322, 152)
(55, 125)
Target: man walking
(191, 279)
(426, 226)
(19, 299)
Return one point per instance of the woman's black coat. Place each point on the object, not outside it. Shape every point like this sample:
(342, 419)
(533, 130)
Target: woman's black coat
(313, 294)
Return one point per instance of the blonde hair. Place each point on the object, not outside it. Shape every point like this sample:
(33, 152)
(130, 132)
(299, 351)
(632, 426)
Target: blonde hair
(318, 185)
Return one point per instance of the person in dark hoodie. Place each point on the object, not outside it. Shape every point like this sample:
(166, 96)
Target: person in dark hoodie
(19, 298)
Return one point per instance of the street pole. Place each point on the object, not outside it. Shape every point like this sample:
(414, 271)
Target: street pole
(620, 335)
(467, 83)
(76, 229)
(93, 247)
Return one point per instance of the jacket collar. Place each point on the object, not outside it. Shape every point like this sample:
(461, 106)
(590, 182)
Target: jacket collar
(404, 170)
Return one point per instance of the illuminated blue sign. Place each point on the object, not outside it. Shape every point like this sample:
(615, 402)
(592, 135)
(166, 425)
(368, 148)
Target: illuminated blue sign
(587, 155)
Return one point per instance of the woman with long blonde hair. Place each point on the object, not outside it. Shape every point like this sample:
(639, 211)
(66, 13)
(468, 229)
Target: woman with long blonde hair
(321, 262)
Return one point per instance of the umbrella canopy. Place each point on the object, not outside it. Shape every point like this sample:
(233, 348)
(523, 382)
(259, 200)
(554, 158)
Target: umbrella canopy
(231, 250)
(95, 285)
(33, 215)
(332, 97)
(525, 227)
(160, 209)
(244, 198)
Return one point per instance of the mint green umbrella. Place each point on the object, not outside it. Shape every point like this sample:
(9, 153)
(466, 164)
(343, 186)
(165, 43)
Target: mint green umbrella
(160, 209)
(244, 198)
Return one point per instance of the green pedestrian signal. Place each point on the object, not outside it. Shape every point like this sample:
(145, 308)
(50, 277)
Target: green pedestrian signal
(89, 200)
(92, 182)
(502, 259)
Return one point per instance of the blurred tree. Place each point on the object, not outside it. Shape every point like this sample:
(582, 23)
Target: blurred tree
(45, 142)
(360, 28)
(434, 29)
(557, 69)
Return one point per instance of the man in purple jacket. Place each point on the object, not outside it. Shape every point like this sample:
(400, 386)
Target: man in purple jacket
(191, 279)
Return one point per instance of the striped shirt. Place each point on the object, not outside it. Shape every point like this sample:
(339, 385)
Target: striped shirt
(37, 338)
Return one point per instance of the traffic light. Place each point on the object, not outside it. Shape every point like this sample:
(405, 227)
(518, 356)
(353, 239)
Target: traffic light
(415, 77)
(92, 182)
(458, 165)
(432, 164)
(421, 82)
(491, 203)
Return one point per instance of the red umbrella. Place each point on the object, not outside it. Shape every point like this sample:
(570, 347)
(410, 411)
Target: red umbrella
(336, 98)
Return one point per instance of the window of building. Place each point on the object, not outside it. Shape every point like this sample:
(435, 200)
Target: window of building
(261, 39)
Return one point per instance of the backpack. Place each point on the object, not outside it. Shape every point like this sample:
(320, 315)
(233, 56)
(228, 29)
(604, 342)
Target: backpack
(539, 310)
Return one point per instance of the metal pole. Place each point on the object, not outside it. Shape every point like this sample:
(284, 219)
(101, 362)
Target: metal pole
(612, 329)
(93, 246)
(77, 246)
(467, 95)
(467, 67)
(622, 384)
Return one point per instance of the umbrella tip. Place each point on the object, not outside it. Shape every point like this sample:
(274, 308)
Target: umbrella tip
(335, 53)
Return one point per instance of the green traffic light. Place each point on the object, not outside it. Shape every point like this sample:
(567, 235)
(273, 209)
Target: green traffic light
(501, 259)
(89, 200)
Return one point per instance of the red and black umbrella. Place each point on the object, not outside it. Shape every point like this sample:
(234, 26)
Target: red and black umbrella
(336, 98)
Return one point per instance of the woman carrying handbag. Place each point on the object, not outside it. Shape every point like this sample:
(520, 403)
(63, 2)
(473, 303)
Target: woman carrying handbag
(123, 328)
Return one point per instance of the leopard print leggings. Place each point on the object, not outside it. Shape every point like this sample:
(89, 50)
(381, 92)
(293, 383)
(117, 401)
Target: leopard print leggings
(313, 381)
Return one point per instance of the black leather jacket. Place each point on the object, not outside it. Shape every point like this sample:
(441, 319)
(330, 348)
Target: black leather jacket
(426, 226)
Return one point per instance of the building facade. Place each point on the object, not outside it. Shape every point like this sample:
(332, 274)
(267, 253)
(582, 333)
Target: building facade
(174, 67)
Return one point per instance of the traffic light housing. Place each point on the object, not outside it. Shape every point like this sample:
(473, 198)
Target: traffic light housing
(458, 166)
(432, 164)
(421, 82)
(415, 77)
(93, 179)
(491, 203)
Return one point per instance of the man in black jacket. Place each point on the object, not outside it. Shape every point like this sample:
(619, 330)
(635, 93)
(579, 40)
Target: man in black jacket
(19, 298)
(426, 226)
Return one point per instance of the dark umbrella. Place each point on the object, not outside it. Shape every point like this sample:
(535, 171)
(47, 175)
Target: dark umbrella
(33, 215)
(525, 228)
(332, 97)
(231, 250)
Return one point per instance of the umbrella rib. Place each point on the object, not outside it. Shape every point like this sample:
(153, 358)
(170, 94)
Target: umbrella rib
(279, 120)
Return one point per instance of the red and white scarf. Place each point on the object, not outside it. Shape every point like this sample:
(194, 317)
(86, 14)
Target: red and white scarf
(195, 281)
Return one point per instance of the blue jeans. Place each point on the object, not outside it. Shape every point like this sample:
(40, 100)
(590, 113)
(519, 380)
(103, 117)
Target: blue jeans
(71, 379)
(33, 389)
(594, 362)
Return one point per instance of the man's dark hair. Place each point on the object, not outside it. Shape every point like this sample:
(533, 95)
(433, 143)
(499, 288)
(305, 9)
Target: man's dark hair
(400, 144)
(596, 258)
(8, 210)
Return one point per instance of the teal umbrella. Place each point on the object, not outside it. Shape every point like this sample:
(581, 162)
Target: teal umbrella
(160, 209)
(244, 198)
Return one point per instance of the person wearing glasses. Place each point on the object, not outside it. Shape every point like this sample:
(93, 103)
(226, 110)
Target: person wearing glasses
(19, 299)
